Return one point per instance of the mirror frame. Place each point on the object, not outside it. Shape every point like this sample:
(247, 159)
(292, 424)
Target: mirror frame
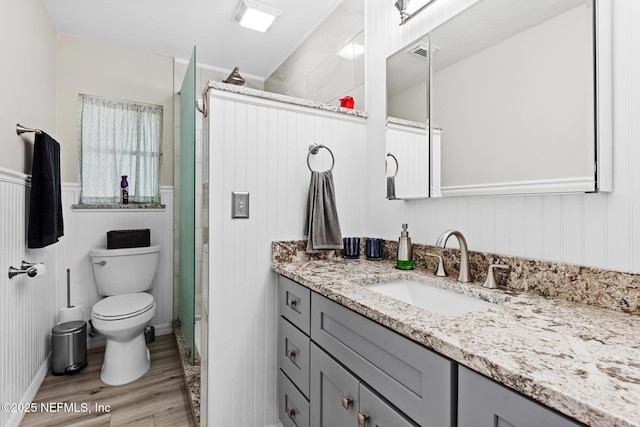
(603, 97)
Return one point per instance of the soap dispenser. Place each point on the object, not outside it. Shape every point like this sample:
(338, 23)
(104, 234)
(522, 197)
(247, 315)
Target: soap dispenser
(405, 251)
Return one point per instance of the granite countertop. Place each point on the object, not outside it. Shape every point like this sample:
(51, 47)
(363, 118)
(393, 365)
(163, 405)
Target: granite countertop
(580, 360)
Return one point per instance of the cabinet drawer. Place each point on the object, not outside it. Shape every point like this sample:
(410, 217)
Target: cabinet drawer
(419, 382)
(484, 403)
(293, 354)
(293, 408)
(294, 303)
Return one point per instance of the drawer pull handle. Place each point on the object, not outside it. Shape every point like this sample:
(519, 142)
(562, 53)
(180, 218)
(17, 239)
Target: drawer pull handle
(291, 303)
(291, 354)
(291, 413)
(363, 419)
(346, 402)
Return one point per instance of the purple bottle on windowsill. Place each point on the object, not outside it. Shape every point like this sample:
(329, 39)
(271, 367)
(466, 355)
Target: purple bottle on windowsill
(125, 190)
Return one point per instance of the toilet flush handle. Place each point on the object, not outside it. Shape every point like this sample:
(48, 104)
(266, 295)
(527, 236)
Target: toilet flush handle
(103, 262)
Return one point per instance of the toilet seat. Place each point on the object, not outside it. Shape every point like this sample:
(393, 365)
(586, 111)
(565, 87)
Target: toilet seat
(124, 306)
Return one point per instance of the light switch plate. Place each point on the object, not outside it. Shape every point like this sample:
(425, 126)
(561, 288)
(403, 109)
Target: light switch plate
(239, 204)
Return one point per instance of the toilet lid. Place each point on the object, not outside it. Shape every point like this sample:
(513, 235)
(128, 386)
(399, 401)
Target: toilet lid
(120, 306)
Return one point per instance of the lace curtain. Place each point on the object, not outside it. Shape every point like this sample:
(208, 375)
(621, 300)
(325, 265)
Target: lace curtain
(119, 138)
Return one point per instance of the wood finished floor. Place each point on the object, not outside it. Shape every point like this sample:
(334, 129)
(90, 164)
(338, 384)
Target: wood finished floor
(159, 398)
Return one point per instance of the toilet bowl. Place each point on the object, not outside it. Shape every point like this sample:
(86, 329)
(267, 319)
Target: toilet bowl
(122, 276)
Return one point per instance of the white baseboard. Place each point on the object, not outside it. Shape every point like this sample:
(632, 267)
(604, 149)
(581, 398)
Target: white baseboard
(30, 394)
(164, 329)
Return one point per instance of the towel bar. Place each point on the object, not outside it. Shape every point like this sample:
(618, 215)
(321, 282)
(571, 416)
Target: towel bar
(21, 129)
(397, 166)
(314, 148)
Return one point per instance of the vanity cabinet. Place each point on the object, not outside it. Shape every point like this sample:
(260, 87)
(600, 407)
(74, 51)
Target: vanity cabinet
(483, 402)
(338, 398)
(336, 363)
(294, 315)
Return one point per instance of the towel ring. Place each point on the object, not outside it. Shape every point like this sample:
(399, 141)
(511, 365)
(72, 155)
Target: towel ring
(313, 149)
(397, 165)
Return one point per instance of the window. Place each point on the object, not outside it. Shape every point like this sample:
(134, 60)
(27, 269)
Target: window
(119, 138)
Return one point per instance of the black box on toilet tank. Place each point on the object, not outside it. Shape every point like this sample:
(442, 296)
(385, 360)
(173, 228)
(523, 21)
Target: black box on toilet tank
(119, 239)
(69, 347)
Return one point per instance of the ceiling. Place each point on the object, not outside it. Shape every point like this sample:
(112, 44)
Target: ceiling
(478, 27)
(172, 28)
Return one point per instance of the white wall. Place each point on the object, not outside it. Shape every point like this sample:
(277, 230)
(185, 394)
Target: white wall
(410, 104)
(28, 79)
(315, 71)
(590, 229)
(28, 97)
(410, 147)
(27, 306)
(94, 68)
(260, 146)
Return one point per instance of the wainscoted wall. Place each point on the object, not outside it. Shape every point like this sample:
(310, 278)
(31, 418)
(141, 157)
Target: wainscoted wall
(588, 229)
(86, 229)
(407, 145)
(260, 146)
(27, 306)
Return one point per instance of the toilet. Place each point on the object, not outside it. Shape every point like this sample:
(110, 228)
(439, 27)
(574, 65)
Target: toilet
(122, 277)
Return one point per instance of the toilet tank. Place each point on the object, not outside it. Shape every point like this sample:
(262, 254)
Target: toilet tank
(124, 271)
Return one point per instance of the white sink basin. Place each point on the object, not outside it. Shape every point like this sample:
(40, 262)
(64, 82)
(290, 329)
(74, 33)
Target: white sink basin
(430, 298)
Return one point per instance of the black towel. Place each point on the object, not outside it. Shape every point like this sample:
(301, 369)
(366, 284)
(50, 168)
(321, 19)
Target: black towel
(45, 211)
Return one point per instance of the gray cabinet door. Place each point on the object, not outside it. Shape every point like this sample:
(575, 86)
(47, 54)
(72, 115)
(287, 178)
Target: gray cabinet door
(418, 381)
(334, 392)
(376, 412)
(485, 403)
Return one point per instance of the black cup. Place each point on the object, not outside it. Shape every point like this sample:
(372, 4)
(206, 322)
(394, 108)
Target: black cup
(351, 247)
(373, 248)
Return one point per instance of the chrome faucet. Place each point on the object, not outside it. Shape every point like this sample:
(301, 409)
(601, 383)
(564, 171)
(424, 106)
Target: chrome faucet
(465, 274)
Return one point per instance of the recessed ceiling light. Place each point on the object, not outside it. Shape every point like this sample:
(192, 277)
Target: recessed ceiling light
(351, 50)
(255, 16)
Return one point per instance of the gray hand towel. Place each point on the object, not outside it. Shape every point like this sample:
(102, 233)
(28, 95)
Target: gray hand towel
(391, 188)
(321, 226)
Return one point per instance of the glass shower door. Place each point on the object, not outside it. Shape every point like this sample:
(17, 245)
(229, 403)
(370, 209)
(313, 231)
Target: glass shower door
(187, 207)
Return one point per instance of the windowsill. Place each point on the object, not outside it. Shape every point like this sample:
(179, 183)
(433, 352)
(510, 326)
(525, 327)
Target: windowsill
(114, 206)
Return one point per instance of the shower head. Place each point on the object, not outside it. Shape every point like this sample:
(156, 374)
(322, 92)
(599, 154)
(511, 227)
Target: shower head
(234, 78)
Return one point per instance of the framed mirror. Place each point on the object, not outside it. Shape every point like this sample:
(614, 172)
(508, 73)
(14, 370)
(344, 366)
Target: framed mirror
(519, 98)
(407, 132)
(514, 93)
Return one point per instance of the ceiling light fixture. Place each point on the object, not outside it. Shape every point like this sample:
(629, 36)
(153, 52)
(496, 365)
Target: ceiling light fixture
(351, 50)
(255, 16)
